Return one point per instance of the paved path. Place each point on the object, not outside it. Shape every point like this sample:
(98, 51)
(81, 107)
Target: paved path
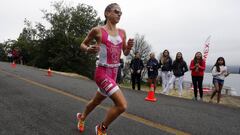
(32, 103)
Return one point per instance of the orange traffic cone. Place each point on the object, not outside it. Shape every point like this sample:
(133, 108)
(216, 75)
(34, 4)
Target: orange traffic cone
(151, 96)
(13, 64)
(49, 72)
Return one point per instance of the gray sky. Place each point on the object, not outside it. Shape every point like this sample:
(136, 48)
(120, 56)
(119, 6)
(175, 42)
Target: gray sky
(176, 25)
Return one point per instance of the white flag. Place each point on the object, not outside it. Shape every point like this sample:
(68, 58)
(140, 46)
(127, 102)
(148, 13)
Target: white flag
(206, 48)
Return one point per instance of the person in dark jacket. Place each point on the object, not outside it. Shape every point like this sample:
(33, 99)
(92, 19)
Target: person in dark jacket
(179, 67)
(152, 67)
(166, 68)
(136, 66)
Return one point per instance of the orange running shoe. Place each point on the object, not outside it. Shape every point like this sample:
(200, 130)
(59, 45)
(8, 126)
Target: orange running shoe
(99, 131)
(81, 123)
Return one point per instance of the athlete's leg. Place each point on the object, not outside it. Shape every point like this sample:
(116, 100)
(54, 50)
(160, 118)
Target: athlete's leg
(119, 107)
(92, 104)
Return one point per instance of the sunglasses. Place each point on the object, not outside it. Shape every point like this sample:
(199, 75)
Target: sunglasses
(118, 12)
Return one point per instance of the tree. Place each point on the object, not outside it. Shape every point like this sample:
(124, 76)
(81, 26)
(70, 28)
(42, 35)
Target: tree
(3, 56)
(141, 46)
(26, 42)
(69, 27)
(59, 46)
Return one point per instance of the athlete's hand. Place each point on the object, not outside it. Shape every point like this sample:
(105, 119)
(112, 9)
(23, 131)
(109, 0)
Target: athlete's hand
(130, 43)
(93, 49)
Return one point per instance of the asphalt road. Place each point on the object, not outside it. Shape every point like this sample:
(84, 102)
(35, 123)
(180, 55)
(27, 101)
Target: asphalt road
(31, 103)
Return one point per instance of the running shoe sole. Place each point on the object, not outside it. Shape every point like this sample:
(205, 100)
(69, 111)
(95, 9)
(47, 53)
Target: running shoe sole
(96, 130)
(78, 118)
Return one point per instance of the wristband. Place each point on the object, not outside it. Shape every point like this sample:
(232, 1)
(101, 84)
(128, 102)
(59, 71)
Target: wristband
(128, 48)
(87, 49)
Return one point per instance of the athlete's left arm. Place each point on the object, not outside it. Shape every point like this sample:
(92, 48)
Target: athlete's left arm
(127, 46)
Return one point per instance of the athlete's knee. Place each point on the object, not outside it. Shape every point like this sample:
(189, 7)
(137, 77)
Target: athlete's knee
(122, 107)
(125, 107)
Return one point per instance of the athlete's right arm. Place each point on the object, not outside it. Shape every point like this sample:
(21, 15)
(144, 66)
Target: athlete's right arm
(93, 34)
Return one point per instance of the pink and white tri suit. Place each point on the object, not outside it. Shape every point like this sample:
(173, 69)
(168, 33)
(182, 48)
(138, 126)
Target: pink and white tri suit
(108, 63)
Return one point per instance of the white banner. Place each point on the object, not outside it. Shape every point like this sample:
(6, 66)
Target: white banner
(206, 49)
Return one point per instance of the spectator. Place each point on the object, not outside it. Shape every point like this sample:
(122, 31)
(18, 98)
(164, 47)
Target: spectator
(15, 55)
(219, 72)
(197, 66)
(136, 66)
(179, 67)
(152, 67)
(9, 56)
(166, 68)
